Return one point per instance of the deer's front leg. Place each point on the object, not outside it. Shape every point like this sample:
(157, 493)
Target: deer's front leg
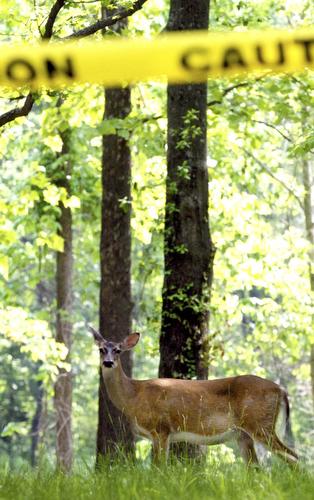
(160, 447)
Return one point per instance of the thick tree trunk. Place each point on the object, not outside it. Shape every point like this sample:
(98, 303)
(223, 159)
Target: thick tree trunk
(309, 226)
(114, 433)
(188, 248)
(63, 386)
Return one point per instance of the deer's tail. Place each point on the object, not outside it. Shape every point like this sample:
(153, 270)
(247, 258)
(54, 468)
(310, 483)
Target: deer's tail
(288, 435)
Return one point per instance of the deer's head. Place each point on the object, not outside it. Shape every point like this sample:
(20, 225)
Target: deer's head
(111, 351)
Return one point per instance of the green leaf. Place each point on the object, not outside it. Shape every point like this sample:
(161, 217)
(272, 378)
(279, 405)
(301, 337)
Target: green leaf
(4, 266)
(14, 428)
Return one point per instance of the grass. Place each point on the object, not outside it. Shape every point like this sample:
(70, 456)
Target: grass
(177, 481)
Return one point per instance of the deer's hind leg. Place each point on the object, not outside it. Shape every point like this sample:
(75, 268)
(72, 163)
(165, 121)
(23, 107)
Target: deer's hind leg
(286, 453)
(247, 449)
(160, 447)
(273, 443)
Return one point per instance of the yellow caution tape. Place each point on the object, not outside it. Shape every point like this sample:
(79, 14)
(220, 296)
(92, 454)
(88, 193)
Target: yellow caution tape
(181, 57)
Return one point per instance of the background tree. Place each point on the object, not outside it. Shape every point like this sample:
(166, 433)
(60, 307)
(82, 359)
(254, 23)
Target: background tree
(307, 172)
(64, 294)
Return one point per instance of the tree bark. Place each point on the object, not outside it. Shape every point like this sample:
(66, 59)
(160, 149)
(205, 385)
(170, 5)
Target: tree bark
(309, 227)
(64, 273)
(115, 253)
(114, 433)
(188, 250)
(38, 394)
(44, 296)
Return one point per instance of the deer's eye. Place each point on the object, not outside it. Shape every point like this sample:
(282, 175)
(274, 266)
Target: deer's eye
(103, 350)
(117, 351)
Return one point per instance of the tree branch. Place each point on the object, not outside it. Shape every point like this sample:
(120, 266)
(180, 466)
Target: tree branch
(270, 125)
(306, 86)
(226, 91)
(109, 21)
(233, 87)
(286, 137)
(11, 115)
(277, 179)
(24, 110)
(81, 1)
(57, 6)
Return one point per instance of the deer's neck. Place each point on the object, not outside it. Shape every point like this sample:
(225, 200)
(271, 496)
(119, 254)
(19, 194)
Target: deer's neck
(119, 387)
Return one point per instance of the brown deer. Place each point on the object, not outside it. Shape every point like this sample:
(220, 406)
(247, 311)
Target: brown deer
(246, 408)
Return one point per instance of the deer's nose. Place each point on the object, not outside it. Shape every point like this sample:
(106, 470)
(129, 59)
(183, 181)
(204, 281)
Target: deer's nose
(108, 364)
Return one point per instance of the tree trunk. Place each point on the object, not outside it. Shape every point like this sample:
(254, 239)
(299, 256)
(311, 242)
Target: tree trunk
(309, 226)
(114, 433)
(38, 394)
(188, 249)
(63, 386)
(44, 297)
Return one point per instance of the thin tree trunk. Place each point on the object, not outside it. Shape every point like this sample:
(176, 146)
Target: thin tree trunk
(309, 226)
(188, 248)
(114, 433)
(44, 295)
(63, 386)
(38, 393)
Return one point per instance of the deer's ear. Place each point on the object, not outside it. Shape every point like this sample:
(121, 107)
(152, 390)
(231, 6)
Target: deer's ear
(97, 337)
(130, 341)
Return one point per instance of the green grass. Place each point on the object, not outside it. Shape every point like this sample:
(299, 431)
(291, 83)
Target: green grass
(129, 481)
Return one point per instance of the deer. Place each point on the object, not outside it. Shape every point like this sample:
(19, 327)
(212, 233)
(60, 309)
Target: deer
(245, 408)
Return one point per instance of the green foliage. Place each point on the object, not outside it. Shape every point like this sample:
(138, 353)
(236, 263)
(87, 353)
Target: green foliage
(33, 337)
(184, 481)
(259, 133)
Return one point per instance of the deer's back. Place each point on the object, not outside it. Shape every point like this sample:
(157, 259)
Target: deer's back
(204, 406)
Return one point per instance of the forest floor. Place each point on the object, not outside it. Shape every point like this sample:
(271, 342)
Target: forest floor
(179, 482)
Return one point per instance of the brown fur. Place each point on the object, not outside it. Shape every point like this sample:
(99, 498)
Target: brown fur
(246, 404)
(245, 407)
